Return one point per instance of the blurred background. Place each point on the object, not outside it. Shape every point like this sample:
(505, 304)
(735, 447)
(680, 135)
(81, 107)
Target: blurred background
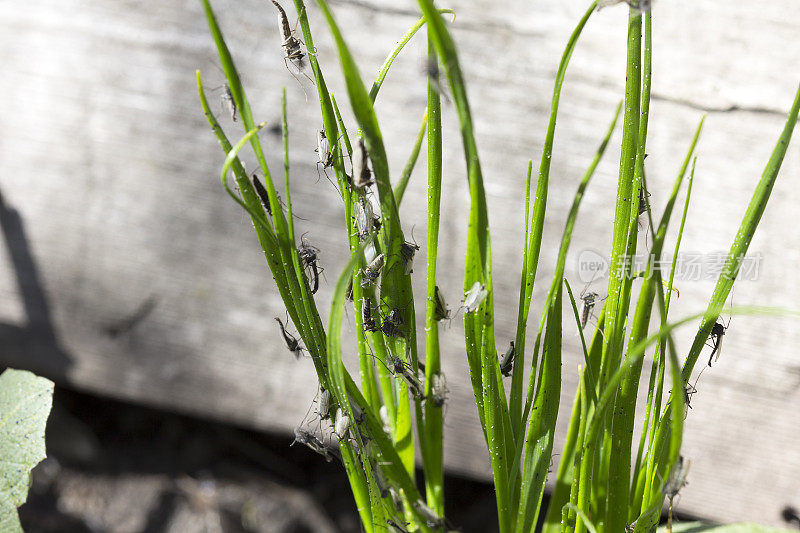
(130, 278)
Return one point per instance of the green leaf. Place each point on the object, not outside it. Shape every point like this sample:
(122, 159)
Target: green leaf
(25, 401)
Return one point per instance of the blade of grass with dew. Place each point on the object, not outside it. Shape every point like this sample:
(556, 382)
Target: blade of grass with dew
(744, 236)
(478, 325)
(310, 327)
(618, 497)
(566, 239)
(621, 242)
(402, 183)
(384, 70)
(432, 451)
(535, 237)
(541, 429)
(655, 387)
(560, 262)
(395, 284)
(725, 281)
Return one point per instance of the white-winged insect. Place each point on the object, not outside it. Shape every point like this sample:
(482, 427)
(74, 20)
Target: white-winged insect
(438, 390)
(716, 335)
(433, 519)
(227, 100)
(643, 6)
(394, 527)
(362, 177)
(324, 408)
(370, 273)
(676, 481)
(323, 150)
(507, 361)
(407, 252)
(341, 424)
(365, 217)
(440, 309)
(398, 367)
(474, 297)
(291, 45)
(303, 436)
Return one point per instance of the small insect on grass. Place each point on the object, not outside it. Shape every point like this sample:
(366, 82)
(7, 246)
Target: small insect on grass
(432, 519)
(394, 527)
(290, 44)
(717, 333)
(393, 323)
(362, 176)
(365, 218)
(438, 394)
(324, 408)
(227, 100)
(676, 481)
(440, 309)
(407, 252)
(262, 193)
(291, 342)
(341, 424)
(589, 300)
(303, 436)
(368, 321)
(371, 272)
(400, 368)
(309, 258)
(507, 361)
(474, 297)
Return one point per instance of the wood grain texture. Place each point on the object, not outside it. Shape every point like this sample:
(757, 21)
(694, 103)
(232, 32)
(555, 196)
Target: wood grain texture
(127, 271)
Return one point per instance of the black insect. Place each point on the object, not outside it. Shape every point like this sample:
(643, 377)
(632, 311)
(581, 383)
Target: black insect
(309, 258)
(369, 322)
(393, 323)
(589, 301)
(262, 193)
(290, 43)
(348, 293)
(291, 342)
(717, 333)
(507, 362)
(643, 202)
(440, 309)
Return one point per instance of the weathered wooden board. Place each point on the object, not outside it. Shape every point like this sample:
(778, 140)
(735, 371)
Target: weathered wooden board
(128, 272)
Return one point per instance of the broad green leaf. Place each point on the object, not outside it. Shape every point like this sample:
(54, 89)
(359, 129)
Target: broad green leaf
(25, 401)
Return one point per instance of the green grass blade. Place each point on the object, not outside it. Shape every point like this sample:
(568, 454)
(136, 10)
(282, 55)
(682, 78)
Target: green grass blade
(384, 70)
(541, 429)
(402, 183)
(537, 228)
(743, 238)
(432, 451)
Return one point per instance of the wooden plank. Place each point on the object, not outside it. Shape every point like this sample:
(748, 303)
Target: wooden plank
(111, 169)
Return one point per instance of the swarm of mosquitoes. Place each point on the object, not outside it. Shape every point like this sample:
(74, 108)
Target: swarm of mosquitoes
(392, 325)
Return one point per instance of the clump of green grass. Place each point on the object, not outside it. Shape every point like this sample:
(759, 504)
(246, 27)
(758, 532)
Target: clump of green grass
(600, 484)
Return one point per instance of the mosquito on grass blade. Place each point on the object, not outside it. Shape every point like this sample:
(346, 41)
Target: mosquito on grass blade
(291, 45)
(507, 361)
(291, 342)
(716, 336)
(438, 394)
(370, 273)
(362, 177)
(440, 309)
(303, 436)
(309, 259)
